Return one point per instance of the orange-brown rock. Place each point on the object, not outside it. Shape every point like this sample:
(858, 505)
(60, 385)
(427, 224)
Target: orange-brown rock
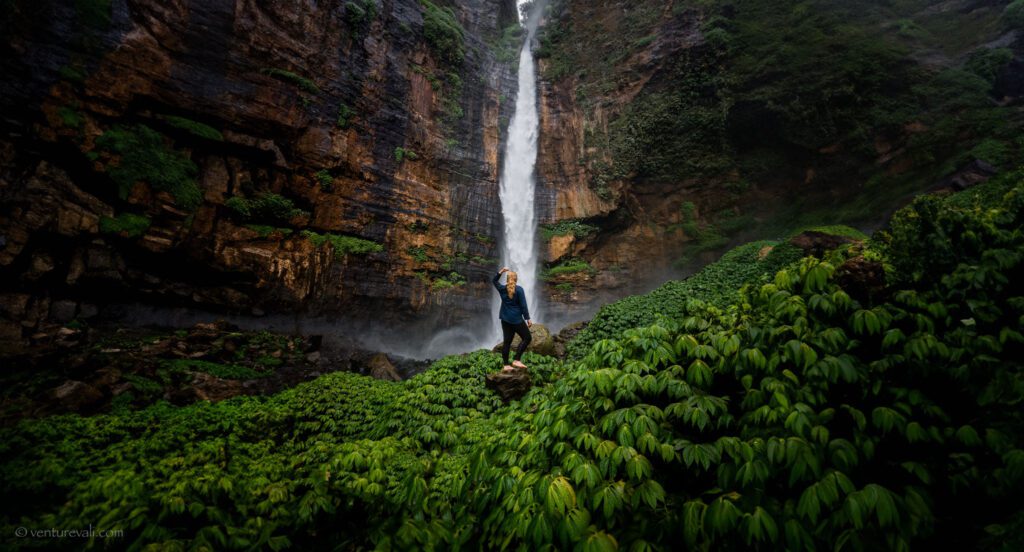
(289, 90)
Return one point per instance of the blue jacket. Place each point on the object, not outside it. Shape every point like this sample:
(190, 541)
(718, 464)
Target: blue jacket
(514, 309)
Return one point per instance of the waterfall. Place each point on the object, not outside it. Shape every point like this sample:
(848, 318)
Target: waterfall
(516, 187)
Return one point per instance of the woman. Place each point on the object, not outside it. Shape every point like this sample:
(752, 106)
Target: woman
(513, 312)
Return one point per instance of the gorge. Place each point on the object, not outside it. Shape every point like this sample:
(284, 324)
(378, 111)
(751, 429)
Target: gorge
(246, 251)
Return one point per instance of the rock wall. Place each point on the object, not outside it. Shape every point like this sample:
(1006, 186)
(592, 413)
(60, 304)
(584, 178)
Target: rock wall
(352, 113)
(673, 130)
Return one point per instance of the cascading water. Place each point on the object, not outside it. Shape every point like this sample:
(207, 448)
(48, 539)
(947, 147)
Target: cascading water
(516, 188)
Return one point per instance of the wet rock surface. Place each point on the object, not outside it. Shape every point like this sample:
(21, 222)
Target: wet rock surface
(294, 100)
(510, 385)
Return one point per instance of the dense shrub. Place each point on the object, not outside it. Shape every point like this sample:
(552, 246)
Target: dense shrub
(444, 33)
(265, 207)
(144, 156)
(716, 284)
(570, 266)
(293, 78)
(194, 127)
(784, 415)
(128, 225)
(343, 245)
(567, 227)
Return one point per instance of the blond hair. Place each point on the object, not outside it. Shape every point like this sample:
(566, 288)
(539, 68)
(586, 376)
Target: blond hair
(510, 284)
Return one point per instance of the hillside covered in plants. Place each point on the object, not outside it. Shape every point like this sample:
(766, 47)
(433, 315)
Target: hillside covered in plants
(799, 405)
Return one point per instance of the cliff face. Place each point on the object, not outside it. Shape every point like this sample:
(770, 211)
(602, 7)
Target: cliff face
(671, 130)
(323, 157)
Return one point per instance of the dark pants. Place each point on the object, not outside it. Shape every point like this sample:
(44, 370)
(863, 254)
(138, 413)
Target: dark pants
(509, 331)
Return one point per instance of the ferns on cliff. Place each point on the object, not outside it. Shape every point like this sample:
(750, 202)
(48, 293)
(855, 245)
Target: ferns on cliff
(444, 34)
(144, 156)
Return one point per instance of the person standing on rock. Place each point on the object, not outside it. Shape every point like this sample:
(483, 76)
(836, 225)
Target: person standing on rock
(513, 313)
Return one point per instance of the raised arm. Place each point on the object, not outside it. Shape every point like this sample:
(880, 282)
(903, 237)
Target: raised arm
(497, 285)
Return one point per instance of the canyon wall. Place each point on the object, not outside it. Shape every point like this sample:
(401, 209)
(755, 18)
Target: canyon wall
(239, 156)
(673, 130)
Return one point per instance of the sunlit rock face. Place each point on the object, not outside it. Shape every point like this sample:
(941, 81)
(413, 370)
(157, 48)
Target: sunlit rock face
(348, 110)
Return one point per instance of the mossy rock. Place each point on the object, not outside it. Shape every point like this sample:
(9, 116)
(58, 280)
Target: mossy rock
(543, 342)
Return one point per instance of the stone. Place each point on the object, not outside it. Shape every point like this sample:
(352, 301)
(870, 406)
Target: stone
(106, 377)
(313, 357)
(817, 243)
(211, 388)
(76, 396)
(63, 311)
(510, 385)
(542, 343)
(40, 264)
(381, 368)
(13, 305)
(10, 330)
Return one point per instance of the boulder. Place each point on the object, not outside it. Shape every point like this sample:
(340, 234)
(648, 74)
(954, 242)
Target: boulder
(381, 368)
(63, 311)
(76, 396)
(543, 343)
(510, 385)
(817, 243)
(211, 388)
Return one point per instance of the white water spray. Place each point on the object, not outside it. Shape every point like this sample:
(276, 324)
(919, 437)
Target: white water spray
(516, 188)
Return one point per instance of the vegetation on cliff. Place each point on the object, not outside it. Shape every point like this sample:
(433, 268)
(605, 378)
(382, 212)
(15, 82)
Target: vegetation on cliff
(793, 412)
(869, 100)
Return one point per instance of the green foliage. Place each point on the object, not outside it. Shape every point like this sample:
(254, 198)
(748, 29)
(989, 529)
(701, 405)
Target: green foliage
(292, 78)
(345, 114)
(72, 73)
(266, 231)
(453, 279)
(265, 207)
(144, 156)
(506, 48)
(931, 237)
(343, 245)
(194, 127)
(402, 154)
(571, 266)
(784, 415)
(1013, 15)
(835, 230)
(565, 287)
(360, 13)
(716, 284)
(128, 225)
(419, 253)
(93, 13)
(566, 227)
(418, 227)
(444, 34)
(808, 84)
(70, 118)
(323, 176)
(987, 62)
